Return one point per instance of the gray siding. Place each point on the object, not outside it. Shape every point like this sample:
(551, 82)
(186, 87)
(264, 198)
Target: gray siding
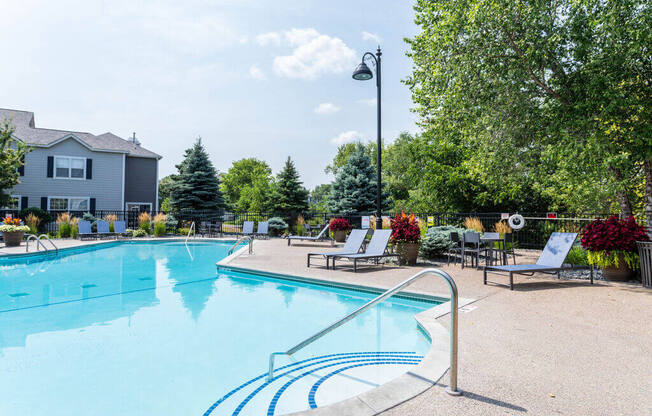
(105, 186)
(140, 180)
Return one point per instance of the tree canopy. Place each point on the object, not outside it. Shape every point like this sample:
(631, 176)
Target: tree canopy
(13, 154)
(249, 186)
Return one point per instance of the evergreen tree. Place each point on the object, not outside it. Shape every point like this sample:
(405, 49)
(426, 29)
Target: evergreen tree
(354, 189)
(291, 198)
(197, 185)
(13, 153)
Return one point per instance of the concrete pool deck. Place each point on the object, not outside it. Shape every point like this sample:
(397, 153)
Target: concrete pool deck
(548, 347)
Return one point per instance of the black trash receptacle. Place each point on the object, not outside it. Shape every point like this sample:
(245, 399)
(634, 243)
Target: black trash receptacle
(645, 254)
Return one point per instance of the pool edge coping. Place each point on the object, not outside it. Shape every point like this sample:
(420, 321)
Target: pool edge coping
(426, 374)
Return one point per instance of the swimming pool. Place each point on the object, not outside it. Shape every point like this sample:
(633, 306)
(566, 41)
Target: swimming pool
(151, 328)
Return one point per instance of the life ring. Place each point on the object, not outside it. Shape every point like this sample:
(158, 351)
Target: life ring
(516, 221)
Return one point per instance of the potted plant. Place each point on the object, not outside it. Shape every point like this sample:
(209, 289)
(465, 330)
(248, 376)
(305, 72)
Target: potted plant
(611, 245)
(406, 237)
(339, 227)
(12, 231)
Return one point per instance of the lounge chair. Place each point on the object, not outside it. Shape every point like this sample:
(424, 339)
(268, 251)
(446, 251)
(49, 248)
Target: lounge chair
(323, 235)
(376, 249)
(103, 229)
(263, 229)
(85, 232)
(247, 228)
(550, 261)
(120, 229)
(352, 246)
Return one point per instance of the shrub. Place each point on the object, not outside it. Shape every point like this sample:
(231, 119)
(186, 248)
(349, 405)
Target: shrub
(339, 224)
(129, 232)
(145, 222)
(43, 216)
(185, 231)
(65, 228)
(405, 229)
(159, 224)
(32, 221)
(277, 226)
(90, 218)
(474, 223)
(139, 233)
(171, 223)
(111, 218)
(608, 241)
(502, 227)
(437, 240)
(577, 256)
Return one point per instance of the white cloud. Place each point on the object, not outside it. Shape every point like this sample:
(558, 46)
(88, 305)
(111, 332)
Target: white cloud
(371, 102)
(314, 55)
(326, 108)
(256, 73)
(270, 38)
(370, 36)
(347, 137)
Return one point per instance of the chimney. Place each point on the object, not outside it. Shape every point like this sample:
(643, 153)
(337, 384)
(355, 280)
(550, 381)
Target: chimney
(134, 140)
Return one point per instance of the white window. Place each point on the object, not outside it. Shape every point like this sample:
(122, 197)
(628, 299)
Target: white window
(59, 203)
(69, 167)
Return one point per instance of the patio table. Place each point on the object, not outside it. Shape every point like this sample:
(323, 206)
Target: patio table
(490, 246)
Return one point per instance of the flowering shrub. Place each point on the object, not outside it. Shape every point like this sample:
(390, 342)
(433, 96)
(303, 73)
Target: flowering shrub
(339, 224)
(607, 241)
(405, 229)
(12, 225)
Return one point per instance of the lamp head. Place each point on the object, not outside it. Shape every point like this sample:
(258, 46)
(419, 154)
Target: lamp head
(362, 72)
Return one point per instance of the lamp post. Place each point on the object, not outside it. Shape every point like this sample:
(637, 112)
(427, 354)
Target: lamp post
(363, 73)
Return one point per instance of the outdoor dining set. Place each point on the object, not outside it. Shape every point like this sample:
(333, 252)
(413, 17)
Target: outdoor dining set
(472, 245)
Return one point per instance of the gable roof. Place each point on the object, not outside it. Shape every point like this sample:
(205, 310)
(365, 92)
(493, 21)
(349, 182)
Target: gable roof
(27, 132)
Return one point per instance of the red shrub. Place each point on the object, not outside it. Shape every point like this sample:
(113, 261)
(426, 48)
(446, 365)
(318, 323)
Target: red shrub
(405, 229)
(339, 224)
(613, 234)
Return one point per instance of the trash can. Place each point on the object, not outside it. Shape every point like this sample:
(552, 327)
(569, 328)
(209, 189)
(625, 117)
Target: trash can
(645, 254)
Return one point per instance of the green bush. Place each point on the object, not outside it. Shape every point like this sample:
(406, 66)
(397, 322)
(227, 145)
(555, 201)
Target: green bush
(171, 223)
(139, 233)
(577, 256)
(90, 218)
(146, 226)
(129, 232)
(437, 240)
(277, 226)
(185, 230)
(159, 229)
(41, 214)
(65, 230)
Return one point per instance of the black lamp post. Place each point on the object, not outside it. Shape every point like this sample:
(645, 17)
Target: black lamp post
(363, 73)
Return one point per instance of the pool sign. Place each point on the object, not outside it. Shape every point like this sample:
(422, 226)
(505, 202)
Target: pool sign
(365, 222)
(431, 221)
(551, 215)
(504, 216)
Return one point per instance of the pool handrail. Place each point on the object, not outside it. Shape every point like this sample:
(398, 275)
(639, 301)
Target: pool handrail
(49, 240)
(191, 229)
(38, 243)
(240, 240)
(452, 388)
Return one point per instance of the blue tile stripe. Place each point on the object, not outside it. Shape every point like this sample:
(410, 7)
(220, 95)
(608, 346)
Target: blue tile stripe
(279, 393)
(339, 355)
(313, 391)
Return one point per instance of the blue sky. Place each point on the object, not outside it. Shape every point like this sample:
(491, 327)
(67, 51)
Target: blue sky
(256, 78)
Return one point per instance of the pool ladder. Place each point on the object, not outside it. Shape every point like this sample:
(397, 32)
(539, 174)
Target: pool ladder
(190, 230)
(452, 388)
(240, 240)
(39, 243)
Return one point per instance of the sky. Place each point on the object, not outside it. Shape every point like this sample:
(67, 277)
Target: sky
(254, 78)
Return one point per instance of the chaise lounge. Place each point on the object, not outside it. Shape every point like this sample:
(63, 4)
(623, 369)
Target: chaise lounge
(376, 250)
(85, 232)
(322, 236)
(352, 246)
(551, 260)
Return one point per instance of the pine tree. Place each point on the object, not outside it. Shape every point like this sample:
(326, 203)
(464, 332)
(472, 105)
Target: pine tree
(354, 189)
(13, 153)
(291, 198)
(197, 185)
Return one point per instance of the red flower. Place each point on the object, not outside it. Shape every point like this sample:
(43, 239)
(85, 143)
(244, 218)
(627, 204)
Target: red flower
(339, 224)
(11, 221)
(405, 229)
(613, 234)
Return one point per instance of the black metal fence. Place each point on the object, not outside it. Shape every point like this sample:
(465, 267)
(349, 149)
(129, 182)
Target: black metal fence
(535, 233)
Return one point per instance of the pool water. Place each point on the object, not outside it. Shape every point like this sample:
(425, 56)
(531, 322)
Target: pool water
(141, 328)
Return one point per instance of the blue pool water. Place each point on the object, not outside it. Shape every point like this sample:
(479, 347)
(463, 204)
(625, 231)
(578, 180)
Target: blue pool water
(142, 328)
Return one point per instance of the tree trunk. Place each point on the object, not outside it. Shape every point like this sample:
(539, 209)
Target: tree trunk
(621, 195)
(647, 167)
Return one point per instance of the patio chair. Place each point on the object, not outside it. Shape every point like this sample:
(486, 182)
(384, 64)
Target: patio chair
(351, 246)
(322, 236)
(472, 246)
(263, 229)
(456, 248)
(248, 228)
(376, 250)
(103, 229)
(120, 229)
(550, 261)
(85, 232)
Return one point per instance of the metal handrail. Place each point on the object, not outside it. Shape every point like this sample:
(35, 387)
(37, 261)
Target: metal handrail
(49, 240)
(240, 240)
(191, 229)
(38, 243)
(452, 388)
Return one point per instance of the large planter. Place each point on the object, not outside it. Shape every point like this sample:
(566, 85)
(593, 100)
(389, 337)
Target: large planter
(408, 253)
(340, 236)
(622, 273)
(14, 238)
